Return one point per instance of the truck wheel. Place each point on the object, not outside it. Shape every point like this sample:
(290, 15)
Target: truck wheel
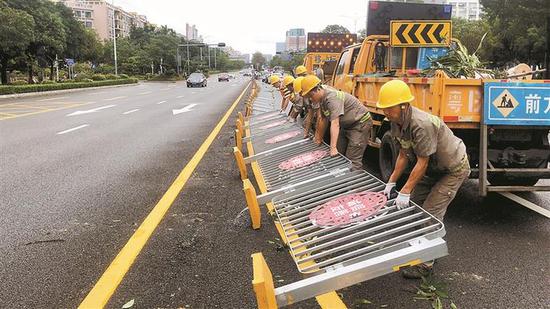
(387, 155)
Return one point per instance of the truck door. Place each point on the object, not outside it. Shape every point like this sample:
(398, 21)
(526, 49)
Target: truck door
(344, 70)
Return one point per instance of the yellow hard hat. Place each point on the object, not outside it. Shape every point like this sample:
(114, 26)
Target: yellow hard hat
(297, 84)
(300, 70)
(273, 79)
(308, 83)
(287, 80)
(393, 93)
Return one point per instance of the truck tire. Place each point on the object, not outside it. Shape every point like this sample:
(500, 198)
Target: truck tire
(387, 156)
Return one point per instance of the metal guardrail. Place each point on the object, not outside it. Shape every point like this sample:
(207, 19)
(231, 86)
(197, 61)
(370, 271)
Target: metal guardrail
(333, 257)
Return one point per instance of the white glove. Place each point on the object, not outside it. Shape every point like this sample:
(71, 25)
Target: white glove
(387, 190)
(403, 200)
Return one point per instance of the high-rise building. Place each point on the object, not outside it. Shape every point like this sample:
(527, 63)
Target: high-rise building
(98, 15)
(280, 47)
(295, 40)
(191, 32)
(467, 9)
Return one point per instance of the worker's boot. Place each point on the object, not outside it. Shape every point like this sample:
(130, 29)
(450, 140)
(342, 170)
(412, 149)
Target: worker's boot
(418, 271)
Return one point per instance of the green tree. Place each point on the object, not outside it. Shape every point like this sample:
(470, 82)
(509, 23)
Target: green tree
(335, 29)
(470, 33)
(258, 60)
(517, 30)
(16, 33)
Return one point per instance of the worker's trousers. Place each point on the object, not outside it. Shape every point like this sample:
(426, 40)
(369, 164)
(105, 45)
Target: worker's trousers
(353, 141)
(436, 193)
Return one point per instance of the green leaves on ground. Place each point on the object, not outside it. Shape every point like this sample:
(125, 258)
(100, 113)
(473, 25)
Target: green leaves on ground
(436, 292)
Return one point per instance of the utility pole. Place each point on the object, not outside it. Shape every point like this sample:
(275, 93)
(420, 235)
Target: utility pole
(209, 66)
(114, 37)
(188, 59)
(215, 65)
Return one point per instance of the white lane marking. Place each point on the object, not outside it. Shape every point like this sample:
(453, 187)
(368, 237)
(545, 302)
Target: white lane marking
(179, 97)
(130, 111)
(73, 129)
(146, 92)
(193, 92)
(51, 99)
(183, 110)
(164, 89)
(161, 102)
(90, 110)
(115, 98)
(96, 93)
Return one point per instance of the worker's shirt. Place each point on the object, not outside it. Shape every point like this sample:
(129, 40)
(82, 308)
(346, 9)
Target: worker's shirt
(298, 102)
(425, 135)
(287, 94)
(337, 104)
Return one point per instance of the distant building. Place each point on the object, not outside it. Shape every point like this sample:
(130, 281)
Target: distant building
(268, 57)
(191, 33)
(295, 40)
(467, 9)
(98, 15)
(280, 47)
(245, 58)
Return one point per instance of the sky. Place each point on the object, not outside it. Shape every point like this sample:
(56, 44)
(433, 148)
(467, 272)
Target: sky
(249, 26)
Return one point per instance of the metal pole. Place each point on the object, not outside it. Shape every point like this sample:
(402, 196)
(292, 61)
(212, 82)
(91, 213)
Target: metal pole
(178, 59)
(187, 58)
(114, 38)
(201, 54)
(215, 65)
(209, 66)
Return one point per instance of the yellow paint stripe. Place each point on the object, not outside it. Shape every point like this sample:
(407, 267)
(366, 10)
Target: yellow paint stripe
(47, 110)
(111, 278)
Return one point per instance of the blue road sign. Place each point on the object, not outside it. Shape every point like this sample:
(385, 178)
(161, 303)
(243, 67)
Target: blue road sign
(70, 62)
(432, 52)
(518, 104)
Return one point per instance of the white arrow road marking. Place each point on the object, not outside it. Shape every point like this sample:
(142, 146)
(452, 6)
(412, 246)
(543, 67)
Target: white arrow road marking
(183, 110)
(115, 98)
(161, 102)
(51, 99)
(131, 111)
(73, 129)
(90, 110)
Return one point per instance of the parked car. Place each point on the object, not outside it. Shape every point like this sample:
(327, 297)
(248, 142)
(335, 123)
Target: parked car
(196, 80)
(223, 77)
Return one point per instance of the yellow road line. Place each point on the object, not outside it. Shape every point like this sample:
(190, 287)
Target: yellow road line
(113, 275)
(45, 110)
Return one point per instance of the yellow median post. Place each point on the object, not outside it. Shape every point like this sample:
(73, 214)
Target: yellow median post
(239, 139)
(252, 204)
(241, 117)
(263, 283)
(240, 126)
(240, 163)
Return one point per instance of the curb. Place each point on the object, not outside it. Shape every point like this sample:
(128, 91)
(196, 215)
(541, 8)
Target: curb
(54, 92)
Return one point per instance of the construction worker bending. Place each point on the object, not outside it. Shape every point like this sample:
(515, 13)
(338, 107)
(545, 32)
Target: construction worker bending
(440, 161)
(300, 71)
(286, 91)
(343, 111)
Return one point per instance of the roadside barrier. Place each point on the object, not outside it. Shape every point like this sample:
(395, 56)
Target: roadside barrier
(339, 229)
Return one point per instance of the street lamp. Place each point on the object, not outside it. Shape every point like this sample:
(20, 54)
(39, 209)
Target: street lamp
(114, 38)
(200, 45)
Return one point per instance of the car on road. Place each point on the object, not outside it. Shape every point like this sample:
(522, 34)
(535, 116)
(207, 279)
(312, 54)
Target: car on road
(196, 80)
(223, 77)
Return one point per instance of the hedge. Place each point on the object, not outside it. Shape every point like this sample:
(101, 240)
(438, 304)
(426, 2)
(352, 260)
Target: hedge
(10, 89)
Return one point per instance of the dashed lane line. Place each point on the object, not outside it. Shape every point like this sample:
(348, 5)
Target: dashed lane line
(130, 111)
(161, 102)
(115, 98)
(73, 129)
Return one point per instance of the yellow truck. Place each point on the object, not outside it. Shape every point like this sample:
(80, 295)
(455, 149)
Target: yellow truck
(511, 153)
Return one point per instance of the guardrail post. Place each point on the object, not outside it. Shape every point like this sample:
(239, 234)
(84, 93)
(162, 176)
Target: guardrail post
(252, 204)
(238, 139)
(240, 126)
(263, 283)
(240, 162)
(241, 117)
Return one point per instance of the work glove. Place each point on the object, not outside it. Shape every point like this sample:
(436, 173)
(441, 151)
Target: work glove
(388, 190)
(402, 201)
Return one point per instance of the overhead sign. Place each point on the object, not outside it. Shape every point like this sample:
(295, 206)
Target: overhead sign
(318, 42)
(426, 33)
(517, 104)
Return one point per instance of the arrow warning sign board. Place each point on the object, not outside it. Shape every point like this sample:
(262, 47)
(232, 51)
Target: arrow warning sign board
(420, 33)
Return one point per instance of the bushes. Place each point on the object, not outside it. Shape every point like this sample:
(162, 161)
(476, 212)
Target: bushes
(123, 76)
(19, 82)
(111, 76)
(12, 89)
(97, 77)
(47, 81)
(82, 76)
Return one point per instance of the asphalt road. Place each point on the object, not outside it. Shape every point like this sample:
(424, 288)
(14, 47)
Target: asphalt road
(85, 191)
(75, 182)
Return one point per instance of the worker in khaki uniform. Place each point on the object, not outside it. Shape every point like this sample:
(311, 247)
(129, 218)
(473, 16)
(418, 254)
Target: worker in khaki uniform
(300, 71)
(440, 161)
(343, 111)
(304, 105)
(296, 99)
(286, 91)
